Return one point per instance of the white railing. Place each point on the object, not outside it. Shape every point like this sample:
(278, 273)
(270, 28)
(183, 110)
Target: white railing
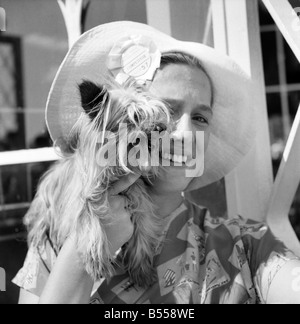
(288, 177)
(28, 156)
(249, 186)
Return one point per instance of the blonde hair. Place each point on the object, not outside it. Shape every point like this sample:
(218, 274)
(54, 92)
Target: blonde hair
(72, 196)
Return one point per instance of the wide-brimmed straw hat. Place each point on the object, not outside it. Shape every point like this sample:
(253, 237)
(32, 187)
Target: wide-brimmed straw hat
(112, 52)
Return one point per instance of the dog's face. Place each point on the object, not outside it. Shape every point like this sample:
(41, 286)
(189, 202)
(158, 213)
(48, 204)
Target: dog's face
(131, 122)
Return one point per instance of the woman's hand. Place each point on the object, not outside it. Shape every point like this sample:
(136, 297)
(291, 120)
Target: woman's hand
(68, 283)
(119, 229)
(69, 271)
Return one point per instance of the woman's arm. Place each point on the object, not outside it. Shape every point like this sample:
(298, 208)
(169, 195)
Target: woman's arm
(285, 287)
(68, 282)
(27, 298)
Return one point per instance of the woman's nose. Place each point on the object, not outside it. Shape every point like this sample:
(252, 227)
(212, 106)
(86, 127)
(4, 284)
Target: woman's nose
(183, 129)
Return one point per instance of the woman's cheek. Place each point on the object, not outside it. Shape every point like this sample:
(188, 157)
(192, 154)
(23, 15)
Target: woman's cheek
(206, 138)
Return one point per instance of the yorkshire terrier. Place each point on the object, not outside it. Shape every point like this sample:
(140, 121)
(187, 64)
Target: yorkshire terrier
(72, 196)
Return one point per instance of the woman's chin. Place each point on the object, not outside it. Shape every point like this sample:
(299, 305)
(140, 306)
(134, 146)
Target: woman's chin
(171, 179)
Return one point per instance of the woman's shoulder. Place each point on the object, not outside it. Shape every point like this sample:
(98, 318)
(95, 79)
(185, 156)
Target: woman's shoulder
(254, 237)
(37, 266)
(236, 226)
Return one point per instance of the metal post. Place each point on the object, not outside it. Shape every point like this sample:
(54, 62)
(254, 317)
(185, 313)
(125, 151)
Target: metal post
(237, 33)
(159, 15)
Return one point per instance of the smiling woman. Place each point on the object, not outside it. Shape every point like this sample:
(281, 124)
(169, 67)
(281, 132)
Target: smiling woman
(189, 96)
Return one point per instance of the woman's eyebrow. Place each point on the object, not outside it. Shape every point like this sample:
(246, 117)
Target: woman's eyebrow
(173, 102)
(177, 103)
(204, 108)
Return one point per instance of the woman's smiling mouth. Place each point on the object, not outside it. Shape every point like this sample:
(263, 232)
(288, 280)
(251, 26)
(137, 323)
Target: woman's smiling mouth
(175, 158)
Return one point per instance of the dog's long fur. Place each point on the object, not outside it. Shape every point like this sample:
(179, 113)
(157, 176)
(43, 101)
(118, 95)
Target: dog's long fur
(73, 196)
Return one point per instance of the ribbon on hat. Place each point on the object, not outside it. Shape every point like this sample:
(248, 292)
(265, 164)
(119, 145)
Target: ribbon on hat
(134, 56)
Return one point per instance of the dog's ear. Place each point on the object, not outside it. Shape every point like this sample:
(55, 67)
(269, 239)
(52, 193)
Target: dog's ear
(92, 97)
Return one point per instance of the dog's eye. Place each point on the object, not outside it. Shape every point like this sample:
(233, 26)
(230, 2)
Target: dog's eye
(160, 128)
(136, 118)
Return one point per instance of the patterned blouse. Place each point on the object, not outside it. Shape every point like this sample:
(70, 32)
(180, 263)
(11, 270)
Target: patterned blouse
(201, 260)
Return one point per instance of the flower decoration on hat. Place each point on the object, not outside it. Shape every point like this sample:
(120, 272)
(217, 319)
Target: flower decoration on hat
(135, 57)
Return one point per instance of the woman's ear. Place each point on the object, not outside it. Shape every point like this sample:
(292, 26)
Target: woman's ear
(92, 97)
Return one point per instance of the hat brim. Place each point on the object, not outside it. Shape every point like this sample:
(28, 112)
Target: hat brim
(233, 124)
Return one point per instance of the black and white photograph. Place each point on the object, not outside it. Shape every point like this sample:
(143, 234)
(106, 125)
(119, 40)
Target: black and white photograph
(149, 154)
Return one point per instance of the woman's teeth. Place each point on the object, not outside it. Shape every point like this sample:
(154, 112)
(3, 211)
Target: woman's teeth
(175, 158)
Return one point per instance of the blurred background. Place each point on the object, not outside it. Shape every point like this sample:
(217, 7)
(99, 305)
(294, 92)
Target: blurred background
(31, 50)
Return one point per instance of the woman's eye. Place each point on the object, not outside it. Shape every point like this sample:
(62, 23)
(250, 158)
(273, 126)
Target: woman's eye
(201, 120)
